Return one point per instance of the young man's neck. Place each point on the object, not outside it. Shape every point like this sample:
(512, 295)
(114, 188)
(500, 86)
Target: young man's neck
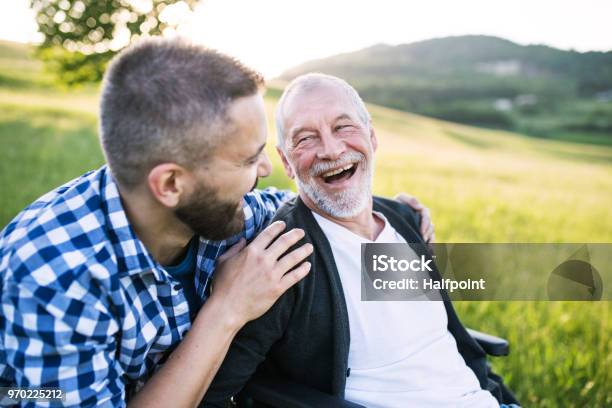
(161, 233)
(365, 223)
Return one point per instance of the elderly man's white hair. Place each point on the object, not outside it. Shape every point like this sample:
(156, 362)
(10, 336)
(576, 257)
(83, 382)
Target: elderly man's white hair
(309, 82)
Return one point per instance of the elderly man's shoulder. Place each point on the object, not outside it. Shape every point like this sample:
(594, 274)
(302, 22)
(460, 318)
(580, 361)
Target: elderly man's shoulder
(59, 236)
(407, 213)
(291, 212)
(295, 213)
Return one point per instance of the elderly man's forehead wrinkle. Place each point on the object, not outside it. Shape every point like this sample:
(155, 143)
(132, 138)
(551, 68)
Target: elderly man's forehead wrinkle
(344, 116)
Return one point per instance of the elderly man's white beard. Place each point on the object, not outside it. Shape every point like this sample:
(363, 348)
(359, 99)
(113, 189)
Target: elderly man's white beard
(344, 204)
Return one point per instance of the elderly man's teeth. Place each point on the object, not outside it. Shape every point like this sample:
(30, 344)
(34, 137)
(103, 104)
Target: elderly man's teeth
(337, 171)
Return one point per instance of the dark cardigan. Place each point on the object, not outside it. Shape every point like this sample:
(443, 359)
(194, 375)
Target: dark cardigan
(305, 336)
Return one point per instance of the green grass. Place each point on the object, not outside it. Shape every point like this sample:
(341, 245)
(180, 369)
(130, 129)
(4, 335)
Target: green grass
(481, 186)
(42, 148)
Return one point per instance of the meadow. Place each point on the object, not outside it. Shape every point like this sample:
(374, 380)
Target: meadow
(481, 186)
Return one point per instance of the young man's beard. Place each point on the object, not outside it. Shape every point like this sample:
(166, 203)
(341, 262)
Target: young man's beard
(210, 217)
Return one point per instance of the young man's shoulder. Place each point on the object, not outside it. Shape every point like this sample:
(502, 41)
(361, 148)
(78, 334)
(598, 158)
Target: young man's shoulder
(62, 231)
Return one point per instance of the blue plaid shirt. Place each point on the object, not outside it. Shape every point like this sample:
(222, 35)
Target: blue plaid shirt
(84, 306)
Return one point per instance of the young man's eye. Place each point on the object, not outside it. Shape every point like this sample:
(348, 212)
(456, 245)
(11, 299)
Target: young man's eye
(255, 160)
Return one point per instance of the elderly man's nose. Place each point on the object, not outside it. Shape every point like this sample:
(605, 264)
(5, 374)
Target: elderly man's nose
(331, 147)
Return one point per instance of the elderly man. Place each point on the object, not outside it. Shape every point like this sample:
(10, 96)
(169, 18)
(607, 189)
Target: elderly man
(319, 333)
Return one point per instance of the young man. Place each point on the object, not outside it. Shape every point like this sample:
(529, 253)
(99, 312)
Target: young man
(102, 278)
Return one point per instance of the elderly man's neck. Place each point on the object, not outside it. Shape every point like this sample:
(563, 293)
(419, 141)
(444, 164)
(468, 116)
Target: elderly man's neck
(365, 224)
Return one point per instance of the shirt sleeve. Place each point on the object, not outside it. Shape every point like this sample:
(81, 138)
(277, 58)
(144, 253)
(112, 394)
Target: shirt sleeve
(53, 338)
(260, 207)
(248, 350)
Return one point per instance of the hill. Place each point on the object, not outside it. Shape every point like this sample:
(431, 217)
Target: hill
(485, 81)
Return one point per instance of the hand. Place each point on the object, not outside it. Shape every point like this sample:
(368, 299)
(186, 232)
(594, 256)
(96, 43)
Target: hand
(249, 279)
(427, 227)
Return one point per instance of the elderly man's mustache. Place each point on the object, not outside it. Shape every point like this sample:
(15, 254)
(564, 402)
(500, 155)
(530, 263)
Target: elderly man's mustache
(347, 158)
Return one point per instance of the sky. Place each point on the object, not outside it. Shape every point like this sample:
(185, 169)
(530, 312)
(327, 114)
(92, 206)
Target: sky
(274, 35)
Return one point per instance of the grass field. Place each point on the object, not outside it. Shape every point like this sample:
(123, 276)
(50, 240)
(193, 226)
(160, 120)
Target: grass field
(481, 186)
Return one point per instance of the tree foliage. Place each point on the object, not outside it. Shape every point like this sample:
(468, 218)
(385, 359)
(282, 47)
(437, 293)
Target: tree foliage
(80, 36)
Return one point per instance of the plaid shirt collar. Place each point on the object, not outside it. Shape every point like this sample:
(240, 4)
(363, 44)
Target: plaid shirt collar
(132, 251)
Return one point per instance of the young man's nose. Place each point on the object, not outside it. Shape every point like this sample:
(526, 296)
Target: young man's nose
(265, 167)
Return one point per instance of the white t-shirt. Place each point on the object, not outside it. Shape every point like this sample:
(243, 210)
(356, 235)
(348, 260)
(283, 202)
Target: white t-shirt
(401, 353)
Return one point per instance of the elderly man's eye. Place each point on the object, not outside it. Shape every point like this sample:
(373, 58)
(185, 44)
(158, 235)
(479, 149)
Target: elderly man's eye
(341, 127)
(304, 139)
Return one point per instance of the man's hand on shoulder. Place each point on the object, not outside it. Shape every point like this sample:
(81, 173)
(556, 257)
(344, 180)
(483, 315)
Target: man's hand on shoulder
(248, 281)
(258, 273)
(426, 227)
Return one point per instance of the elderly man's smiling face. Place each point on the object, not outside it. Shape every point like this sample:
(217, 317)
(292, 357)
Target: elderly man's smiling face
(329, 149)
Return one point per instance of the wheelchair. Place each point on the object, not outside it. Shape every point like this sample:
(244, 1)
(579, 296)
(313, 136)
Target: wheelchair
(276, 392)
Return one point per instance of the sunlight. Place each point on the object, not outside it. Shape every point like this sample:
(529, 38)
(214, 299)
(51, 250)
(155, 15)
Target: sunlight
(275, 35)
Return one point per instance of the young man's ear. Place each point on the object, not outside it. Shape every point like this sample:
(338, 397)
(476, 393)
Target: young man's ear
(167, 183)
(286, 165)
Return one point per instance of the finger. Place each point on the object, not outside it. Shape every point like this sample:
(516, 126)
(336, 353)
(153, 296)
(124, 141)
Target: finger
(429, 233)
(429, 230)
(425, 221)
(294, 276)
(410, 200)
(233, 250)
(284, 242)
(293, 258)
(268, 235)
(405, 198)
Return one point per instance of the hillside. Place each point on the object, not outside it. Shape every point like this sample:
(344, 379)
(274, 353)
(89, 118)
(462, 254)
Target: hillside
(481, 185)
(485, 81)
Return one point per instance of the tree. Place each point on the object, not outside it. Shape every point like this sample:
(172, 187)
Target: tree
(81, 36)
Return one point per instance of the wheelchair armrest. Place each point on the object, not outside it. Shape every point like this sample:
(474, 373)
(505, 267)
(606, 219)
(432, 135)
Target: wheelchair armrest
(493, 346)
(275, 391)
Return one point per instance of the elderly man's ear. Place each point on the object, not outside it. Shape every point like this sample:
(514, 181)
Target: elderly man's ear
(288, 170)
(373, 139)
